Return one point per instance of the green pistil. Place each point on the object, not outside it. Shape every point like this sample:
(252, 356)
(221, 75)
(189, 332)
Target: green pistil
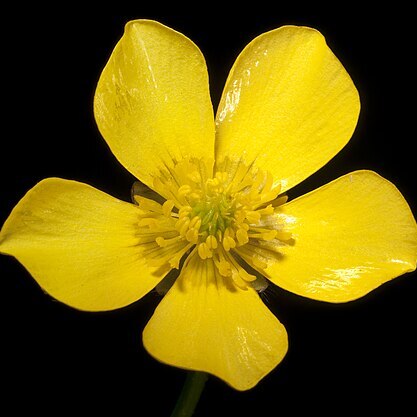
(215, 213)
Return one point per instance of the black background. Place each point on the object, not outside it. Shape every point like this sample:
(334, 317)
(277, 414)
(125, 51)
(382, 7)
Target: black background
(352, 357)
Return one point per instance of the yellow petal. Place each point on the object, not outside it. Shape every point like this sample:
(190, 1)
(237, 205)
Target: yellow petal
(288, 104)
(205, 323)
(79, 244)
(152, 103)
(350, 236)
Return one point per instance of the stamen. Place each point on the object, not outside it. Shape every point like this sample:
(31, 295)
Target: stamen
(224, 268)
(167, 207)
(267, 211)
(261, 233)
(161, 242)
(228, 243)
(269, 235)
(170, 254)
(237, 279)
(195, 177)
(147, 221)
(253, 216)
(279, 201)
(204, 251)
(184, 211)
(283, 235)
(148, 204)
(185, 226)
(211, 242)
(195, 222)
(184, 190)
(242, 273)
(175, 260)
(192, 235)
(242, 236)
(246, 276)
(228, 217)
(183, 220)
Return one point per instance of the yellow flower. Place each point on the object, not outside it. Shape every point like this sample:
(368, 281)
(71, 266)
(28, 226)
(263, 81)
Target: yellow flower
(287, 108)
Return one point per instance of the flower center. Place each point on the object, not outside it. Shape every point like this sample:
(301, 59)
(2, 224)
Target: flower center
(229, 217)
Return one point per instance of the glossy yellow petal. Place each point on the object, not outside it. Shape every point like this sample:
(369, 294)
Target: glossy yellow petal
(350, 236)
(79, 244)
(152, 103)
(288, 104)
(206, 324)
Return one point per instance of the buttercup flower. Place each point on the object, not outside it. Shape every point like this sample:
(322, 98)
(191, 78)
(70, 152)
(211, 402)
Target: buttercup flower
(220, 213)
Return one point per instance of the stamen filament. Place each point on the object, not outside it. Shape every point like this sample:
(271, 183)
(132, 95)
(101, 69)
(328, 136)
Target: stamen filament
(225, 217)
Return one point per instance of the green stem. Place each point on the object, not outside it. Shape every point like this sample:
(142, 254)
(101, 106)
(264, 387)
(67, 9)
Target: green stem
(190, 394)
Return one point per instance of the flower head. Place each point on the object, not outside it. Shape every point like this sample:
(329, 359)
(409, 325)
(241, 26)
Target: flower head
(221, 216)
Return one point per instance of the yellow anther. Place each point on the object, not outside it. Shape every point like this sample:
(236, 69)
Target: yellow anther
(184, 211)
(242, 236)
(195, 196)
(198, 224)
(228, 243)
(180, 223)
(161, 187)
(233, 208)
(201, 251)
(230, 232)
(280, 200)
(268, 210)
(277, 188)
(253, 216)
(184, 190)
(240, 216)
(161, 242)
(283, 235)
(192, 235)
(148, 204)
(237, 279)
(224, 268)
(244, 226)
(272, 195)
(147, 221)
(269, 235)
(194, 176)
(175, 261)
(194, 221)
(221, 176)
(204, 252)
(167, 208)
(211, 242)
(184, 227)
(212, 183)
(246, 276)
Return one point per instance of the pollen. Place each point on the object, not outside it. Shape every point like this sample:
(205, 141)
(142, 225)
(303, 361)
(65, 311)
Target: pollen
(228, 218)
